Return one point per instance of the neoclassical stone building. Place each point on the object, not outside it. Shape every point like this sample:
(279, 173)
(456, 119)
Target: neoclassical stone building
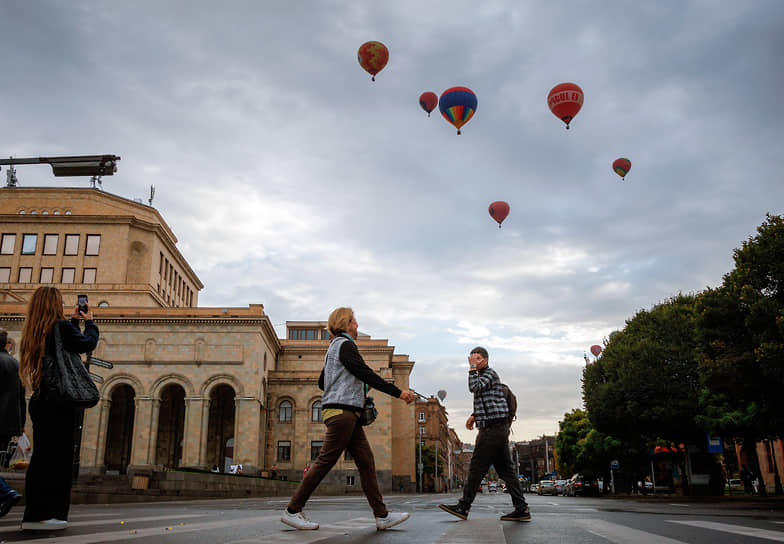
(191, 386)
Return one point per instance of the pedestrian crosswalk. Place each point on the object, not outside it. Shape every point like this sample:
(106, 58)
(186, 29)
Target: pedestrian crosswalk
(254, 526)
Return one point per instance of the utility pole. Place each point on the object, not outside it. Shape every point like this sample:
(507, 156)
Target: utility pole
(438, 437)
(420, 466)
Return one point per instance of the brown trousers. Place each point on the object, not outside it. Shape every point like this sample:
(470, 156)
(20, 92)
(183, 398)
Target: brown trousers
(343, 433)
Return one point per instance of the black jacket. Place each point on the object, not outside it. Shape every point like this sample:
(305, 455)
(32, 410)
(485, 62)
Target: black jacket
(12, 398)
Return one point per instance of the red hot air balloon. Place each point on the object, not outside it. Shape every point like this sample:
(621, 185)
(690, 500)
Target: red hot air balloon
(428, 101)
(498, 211)
(373, 56)
(596, 350)
(565, 100)
(622, 167)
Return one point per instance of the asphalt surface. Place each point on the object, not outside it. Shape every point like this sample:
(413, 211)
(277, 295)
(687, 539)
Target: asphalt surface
(348, 519)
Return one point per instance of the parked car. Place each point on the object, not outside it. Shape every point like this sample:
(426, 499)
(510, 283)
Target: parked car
(582, 485)
(560, 487)
(492, 487)
(533, 487)
(546, 487)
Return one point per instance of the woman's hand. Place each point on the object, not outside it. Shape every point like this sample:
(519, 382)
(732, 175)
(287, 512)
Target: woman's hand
(82, 315)
(408, 396)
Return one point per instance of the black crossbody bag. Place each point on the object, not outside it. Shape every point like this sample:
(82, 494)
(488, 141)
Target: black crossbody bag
(66, 379)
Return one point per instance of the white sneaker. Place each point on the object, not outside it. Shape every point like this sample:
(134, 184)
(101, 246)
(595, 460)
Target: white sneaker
(392, 519)
(48, 525)
(298, 521)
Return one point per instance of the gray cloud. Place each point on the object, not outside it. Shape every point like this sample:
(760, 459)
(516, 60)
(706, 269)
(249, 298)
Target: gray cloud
(292, 180)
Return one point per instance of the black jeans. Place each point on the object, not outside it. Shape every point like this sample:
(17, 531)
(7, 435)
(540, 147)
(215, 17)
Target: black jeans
(48, 479)
(492, 448)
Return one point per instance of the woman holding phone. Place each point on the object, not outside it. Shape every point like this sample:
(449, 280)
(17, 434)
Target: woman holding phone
(48, 479)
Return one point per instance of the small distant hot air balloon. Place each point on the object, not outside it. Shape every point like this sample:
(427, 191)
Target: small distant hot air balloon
(565, 100)
(596, 349)
(498, 211)
(373, 56)
(457, 105)
(428, 101)
(622, 167)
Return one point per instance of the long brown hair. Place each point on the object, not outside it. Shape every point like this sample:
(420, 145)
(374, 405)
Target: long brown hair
(45, 308)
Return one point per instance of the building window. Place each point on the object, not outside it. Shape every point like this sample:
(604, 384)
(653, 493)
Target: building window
(71, 244)
(93, 244)
(315, 449)
(325, 334)
(89, 275)
(9, 241)
(284, 450)
(47, 275)
(5, 275)
(29, 241)
(284, 411)
(68, 275)
(421, 430)
(50, 244)
(350, 480)
(103, 304)
(315, 413)
(25, 274)
(421, 416)
(304, 334)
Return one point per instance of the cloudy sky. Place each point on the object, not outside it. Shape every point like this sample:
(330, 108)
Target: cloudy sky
(294, 181)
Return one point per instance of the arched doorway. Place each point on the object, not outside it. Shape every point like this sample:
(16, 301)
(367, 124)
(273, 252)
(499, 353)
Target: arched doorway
(220, 427)
(171, 426)
(119, 430)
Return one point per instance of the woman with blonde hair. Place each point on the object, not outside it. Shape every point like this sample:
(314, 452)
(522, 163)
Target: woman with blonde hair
(343, 381)
(48, 479)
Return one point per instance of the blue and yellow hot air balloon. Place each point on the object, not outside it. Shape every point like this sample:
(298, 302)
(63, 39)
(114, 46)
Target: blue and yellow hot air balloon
(457, 105)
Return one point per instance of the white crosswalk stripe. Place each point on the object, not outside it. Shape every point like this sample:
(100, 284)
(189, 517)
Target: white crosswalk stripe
(620, 534)
(116, 521)
(129, 534)
(777, 536)
(486, 531)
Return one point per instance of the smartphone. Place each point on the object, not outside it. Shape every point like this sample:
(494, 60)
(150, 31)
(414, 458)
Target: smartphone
(82, 302)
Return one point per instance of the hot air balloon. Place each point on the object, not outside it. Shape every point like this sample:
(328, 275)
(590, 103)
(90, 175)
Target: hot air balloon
(498, 211)
(622, 167)
(373, 56)
(565, 100)
(457, 105)
(596, 349)
(428, 101)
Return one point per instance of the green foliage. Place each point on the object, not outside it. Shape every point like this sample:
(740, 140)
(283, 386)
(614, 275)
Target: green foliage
(581, 448)
(645, 385)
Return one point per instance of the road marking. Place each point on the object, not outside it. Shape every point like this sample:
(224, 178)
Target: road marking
(778, 536)
(620, 534)
(486, 531)
(116, 521)
(678, 504)
(128, 534)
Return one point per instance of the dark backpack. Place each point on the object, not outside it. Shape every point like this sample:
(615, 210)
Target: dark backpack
(511, 402)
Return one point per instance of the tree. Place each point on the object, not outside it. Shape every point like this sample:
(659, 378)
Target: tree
(643, 389)
(581, 448)
(741, 333)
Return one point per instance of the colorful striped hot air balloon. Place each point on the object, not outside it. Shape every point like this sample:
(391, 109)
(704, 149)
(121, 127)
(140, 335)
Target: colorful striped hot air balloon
(373, 56)
(457, 105)
(622, 167)
(565, 100)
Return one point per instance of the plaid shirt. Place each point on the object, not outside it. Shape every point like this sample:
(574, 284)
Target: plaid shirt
(489, 400)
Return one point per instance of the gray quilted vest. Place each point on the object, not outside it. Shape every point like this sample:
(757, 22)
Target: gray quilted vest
(340, 385)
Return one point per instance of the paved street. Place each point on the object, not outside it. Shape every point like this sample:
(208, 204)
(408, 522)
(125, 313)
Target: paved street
(348, 520)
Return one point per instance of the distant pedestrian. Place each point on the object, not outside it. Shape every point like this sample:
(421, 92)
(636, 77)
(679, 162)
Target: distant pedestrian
(747, 477)
(274, 471)
(12, 413)
(492, 416)
(343, 381)
(48, 479)
(305, 471)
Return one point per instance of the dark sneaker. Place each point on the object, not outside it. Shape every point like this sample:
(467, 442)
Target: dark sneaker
(455, 510)
(9, 502)
(519, 514)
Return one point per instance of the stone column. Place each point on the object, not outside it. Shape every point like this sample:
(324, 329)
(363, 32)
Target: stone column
(142, 431)
(247, 424)
(94, 438)
(103, 427)
(205, 423)
(193, 436)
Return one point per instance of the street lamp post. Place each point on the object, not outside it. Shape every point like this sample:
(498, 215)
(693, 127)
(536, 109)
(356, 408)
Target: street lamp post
(77, 165)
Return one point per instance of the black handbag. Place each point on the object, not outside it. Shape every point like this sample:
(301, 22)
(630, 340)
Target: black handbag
(369, 413)
(66, 379)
